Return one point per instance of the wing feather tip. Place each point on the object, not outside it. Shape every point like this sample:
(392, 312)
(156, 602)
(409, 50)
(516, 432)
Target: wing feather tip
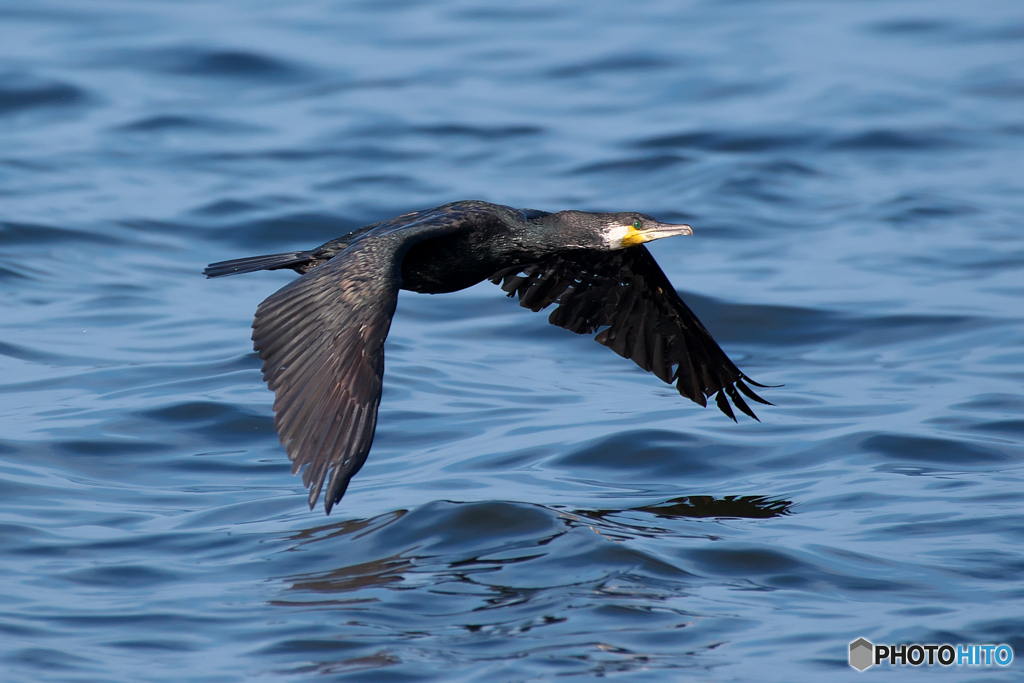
(314, 494)
(758, 384)
(739, 402)
(723, 405)
(749, 393)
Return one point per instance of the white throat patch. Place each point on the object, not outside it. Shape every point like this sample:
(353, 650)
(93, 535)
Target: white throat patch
(621, 236)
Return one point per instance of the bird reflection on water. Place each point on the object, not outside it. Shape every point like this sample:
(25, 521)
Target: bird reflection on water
(321, 337)
(462, 544)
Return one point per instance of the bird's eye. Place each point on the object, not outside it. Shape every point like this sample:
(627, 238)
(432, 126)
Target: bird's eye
(638, 224)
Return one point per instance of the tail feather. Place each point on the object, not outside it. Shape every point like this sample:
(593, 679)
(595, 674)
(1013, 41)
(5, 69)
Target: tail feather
(254, 263)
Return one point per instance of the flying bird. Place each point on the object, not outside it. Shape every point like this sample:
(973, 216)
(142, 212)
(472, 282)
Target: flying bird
(321, 337)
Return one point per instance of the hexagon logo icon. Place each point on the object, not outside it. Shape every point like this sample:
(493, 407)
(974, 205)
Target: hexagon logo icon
(862, 654)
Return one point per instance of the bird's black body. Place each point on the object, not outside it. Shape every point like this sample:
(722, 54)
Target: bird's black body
(321, 337)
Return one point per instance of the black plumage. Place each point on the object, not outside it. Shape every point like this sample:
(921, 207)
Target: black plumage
(321, 338)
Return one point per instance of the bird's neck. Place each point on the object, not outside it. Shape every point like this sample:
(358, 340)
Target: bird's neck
(546, 237)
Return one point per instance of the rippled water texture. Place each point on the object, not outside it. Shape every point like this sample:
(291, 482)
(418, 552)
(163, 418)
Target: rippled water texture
(534, 506)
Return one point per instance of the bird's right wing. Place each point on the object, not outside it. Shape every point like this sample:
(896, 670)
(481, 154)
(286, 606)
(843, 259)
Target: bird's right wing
(321, 339)
(626, 293)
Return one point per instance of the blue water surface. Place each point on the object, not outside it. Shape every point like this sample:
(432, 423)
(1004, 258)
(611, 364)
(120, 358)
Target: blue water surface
(534, 507)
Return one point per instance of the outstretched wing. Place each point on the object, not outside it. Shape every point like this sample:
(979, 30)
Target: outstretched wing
(626, 292)
(321, 339)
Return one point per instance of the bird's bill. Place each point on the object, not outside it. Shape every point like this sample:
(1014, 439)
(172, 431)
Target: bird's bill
(659, 230)
(651, 230)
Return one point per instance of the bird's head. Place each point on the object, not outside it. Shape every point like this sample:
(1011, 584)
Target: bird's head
(609, 231)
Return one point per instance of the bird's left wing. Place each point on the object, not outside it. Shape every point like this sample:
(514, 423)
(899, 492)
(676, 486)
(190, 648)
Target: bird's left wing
(626, 292)
(321, 339)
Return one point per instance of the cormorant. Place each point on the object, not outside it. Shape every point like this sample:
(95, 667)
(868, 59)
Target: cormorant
(321, 337)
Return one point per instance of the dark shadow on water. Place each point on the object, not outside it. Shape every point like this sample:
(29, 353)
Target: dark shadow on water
(727, 141)
(235, 65)
(909, 27)
(703, 507)
(631, 166)
(19, 94)
(802, 140)
(461, 130)
(36, 234)
(297, 230)
(623, 63)
(183, 123)
(653, 455)
(939, 453)
(898, 141)
(215, 422)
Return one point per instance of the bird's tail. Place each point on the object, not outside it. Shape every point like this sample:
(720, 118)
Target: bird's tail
(251, 264)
